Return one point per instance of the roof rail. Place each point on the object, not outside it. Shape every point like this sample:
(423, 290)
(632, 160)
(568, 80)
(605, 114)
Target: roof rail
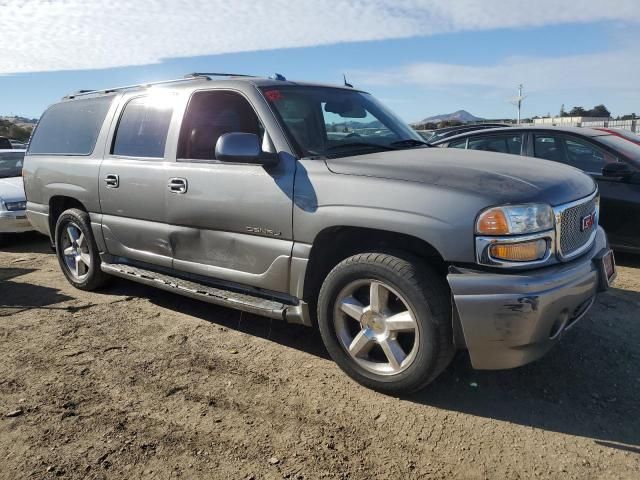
(81, 93)
(216, 74)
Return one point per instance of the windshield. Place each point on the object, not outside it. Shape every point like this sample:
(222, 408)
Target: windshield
(11, 164)
(334, 122)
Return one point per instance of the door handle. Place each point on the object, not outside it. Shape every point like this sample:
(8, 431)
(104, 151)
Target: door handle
(112, 180)
(177, 185)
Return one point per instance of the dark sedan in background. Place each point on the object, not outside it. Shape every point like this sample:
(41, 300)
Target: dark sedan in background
(611, 157)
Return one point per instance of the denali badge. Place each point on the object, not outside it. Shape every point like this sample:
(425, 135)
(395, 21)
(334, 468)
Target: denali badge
(263, 231)
(586, 223)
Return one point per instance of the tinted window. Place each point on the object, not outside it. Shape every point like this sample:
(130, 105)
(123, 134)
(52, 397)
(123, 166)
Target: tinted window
(629, 149)
(497, 143)
(548, 147)
(143, 127)
(210, 115)
(11, 164)
(5, 143)
(70, 128)
(458, 143)
(586, 156)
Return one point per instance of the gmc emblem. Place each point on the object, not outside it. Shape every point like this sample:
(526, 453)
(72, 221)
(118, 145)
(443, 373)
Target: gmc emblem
(586, 223)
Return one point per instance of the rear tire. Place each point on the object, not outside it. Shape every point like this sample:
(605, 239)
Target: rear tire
(77, 251)
(385, 319)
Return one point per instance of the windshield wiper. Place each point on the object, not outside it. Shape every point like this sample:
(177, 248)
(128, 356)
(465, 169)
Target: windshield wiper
(359, 144)
(409, 142)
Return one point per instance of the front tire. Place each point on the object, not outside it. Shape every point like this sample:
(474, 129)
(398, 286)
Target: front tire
(77, 251)
(386, 321)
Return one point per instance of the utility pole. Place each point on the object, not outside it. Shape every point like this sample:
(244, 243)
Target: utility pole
(517, 101)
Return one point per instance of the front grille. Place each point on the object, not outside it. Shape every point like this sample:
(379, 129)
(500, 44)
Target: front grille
(572, 237)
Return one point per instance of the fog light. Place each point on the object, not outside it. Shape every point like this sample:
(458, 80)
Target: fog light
(519, 252)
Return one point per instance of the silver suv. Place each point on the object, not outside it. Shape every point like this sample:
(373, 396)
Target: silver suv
(316, 205)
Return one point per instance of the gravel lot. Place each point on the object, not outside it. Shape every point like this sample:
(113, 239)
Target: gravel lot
(133, 382)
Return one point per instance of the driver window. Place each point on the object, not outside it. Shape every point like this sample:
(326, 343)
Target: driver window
(585, 156)
(210, 115)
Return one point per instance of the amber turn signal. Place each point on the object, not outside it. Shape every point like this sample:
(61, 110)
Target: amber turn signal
(493, 222)
(519, 252)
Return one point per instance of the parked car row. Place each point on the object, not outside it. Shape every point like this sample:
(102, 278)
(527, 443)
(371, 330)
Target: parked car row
(9, 143)
(611, 157)
(13, 204)
(433, 136)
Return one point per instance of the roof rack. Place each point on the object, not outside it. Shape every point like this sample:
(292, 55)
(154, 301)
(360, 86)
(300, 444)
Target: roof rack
(189, 78)
(216, 74)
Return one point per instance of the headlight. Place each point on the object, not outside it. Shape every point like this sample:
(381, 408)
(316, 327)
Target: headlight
(16, 206)
(515, 220)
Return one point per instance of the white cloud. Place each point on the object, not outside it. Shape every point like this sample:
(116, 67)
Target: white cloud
(615, 70)
(46, 35)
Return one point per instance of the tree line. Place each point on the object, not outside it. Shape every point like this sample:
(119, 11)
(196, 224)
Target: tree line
(597, 111)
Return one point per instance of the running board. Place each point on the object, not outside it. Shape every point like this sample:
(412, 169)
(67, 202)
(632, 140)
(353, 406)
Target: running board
(218, 296)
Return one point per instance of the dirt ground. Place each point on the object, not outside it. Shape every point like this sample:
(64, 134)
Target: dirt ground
(133, 382)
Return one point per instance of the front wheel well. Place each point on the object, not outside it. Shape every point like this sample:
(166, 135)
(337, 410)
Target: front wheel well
(57, 205)
(333, 245)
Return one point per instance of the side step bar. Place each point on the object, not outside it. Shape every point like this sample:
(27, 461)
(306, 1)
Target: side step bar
(218, 296)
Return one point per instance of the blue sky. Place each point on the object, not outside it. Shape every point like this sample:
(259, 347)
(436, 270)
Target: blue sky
(421, 58)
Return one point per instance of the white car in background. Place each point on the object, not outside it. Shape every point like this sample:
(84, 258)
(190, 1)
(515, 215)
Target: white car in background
(13, 203)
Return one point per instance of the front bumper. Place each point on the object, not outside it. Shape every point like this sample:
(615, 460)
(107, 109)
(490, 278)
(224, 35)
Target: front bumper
(510, 319)
(14, 222)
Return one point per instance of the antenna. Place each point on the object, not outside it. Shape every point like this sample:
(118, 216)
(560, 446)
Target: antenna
(346, 84)
(517, 101)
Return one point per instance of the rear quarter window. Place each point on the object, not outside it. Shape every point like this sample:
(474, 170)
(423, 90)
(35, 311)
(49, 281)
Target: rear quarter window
(70, 128)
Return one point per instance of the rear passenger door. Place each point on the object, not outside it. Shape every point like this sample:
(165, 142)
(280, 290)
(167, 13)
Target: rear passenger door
(133, 180)
(231, 221)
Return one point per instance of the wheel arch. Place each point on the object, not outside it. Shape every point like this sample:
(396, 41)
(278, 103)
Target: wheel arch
(334, 244)
(57, 205)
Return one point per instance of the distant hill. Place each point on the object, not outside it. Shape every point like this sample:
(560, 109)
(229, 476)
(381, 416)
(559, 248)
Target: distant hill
(20, 120)
(460, 116)
(17, 130)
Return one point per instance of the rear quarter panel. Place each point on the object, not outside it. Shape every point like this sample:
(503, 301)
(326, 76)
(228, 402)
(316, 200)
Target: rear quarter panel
(75, 176)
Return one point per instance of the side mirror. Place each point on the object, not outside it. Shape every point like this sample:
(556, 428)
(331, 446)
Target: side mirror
(243, 148)
(616, 170)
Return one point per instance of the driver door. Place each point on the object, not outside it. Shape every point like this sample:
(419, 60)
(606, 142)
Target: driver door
(231, 221)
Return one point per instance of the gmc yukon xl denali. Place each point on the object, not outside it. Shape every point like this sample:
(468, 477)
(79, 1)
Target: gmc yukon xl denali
(315, 205)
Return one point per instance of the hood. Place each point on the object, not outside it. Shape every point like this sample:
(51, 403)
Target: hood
(499, 177)
(12, 189)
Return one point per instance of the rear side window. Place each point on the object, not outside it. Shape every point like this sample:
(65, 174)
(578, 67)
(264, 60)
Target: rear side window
(511, 143)
(143, 127)
(549, 147)
(70, 128)
(459, 143)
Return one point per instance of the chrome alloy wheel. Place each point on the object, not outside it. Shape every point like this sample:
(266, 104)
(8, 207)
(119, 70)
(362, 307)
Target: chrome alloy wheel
(75, 250)
(376, 327)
